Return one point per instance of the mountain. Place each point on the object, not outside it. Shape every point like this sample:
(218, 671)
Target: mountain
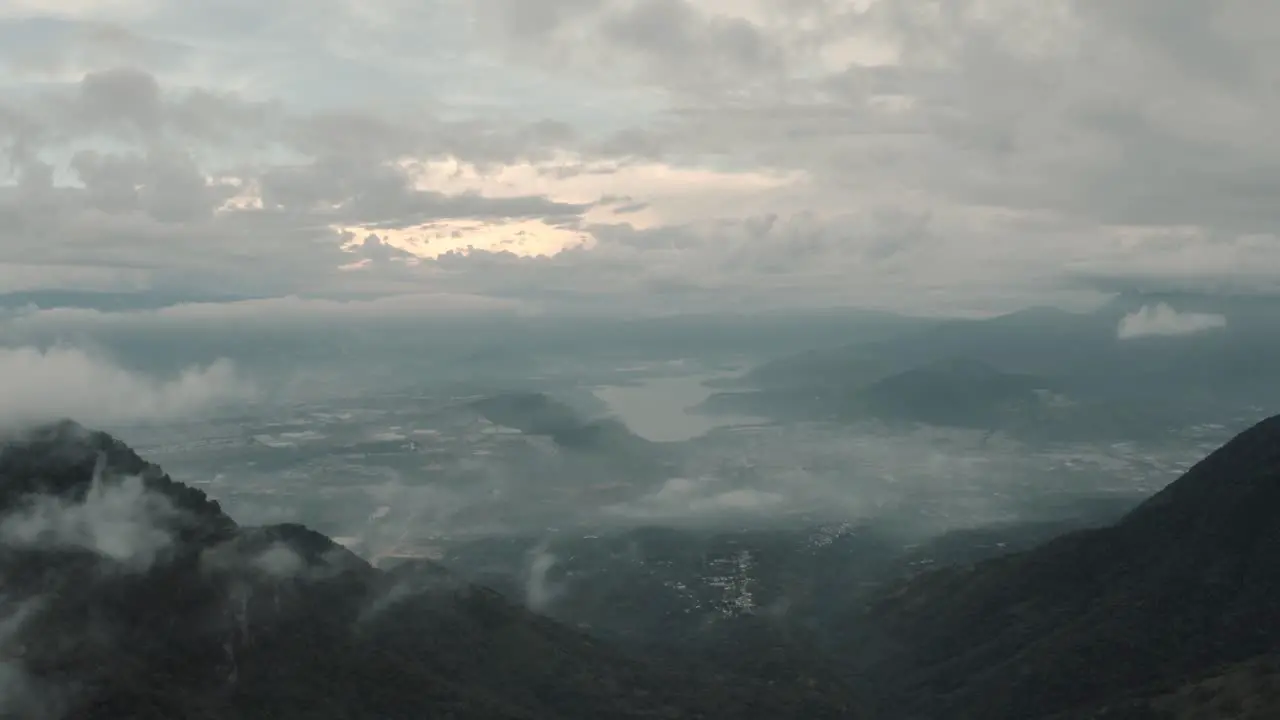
(699, 589)
(1180, 590)
(957, 392)
(536, 413)
(954, 392)
(1124, 385)
(128, 594)
(602, 450)
(1037, 341)
(754, 602)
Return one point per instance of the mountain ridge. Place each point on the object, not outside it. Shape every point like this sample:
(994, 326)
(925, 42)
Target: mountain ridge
(128, 594)
(196, 616)
(1178, 586)
(1119, 382)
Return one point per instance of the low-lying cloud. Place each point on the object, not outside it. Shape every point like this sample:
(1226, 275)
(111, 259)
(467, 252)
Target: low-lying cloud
(539, 590)
(38, 385)
(22, 695)
(1162, 320)
(122, 522)
(272, 311)
(700, 498)
(279, 561)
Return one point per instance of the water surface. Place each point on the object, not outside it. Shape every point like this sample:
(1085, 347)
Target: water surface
(660, 408)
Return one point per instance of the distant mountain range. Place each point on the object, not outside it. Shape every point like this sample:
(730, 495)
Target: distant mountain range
(127, 594)
(1023, 371)
(953, 392)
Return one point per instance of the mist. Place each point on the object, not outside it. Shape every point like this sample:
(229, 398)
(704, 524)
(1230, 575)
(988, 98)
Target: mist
(506, 453)
(22, 695)
(539, 590)
(413, 463)
(634, 359)
(122, 522)
(44, 384)
(1161, 320)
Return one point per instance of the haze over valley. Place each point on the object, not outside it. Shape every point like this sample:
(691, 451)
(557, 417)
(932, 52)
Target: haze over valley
(682, 359)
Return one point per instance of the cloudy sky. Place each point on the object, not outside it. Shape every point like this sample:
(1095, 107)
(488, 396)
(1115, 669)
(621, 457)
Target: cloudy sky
(925, 156)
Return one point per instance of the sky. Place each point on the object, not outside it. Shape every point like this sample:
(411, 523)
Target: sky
(927, 157)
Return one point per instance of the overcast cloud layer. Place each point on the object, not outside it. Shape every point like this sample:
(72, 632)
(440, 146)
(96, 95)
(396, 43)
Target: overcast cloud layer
(958, 156)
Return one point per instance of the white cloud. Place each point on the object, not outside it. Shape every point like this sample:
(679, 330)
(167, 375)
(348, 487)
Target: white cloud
(1162, 320)
(64, 382)
(663, 193)
(122, 522)
(539, 590)
(279, 561)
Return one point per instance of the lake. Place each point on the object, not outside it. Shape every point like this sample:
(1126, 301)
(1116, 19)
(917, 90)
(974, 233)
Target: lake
(659, 409)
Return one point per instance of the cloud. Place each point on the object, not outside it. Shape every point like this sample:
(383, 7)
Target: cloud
(183, 185)
(52, 48)
(1162, 320)
(699, 499)
(279, 561)
(21, 694)
(270, 312)
(64, 382)
(925, 479)
(122, 522)
(539, 590)
(954, 113)
(651, 42)
(973, 156)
